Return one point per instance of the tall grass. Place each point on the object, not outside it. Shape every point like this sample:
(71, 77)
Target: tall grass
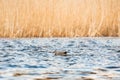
(59, 18)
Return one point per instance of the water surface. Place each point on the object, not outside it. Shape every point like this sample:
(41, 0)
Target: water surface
(33, 59)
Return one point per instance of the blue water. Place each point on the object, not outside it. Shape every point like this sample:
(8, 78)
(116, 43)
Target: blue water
(33, 59)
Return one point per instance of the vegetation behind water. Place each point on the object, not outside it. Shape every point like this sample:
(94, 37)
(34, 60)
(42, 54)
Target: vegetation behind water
(59, 18)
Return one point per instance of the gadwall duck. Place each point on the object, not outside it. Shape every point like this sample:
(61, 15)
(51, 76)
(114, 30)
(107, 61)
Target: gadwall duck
(60, 53)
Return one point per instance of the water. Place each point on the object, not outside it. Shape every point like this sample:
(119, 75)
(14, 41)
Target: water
(33, 59)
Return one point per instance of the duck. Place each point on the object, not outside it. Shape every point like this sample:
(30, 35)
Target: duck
(60, 53)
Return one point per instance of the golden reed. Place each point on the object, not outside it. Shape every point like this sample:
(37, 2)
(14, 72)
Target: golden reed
(59, 18)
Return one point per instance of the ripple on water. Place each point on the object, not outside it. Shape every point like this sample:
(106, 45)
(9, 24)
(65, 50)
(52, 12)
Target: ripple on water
(118, 70)
(35, 66)
(112, 67)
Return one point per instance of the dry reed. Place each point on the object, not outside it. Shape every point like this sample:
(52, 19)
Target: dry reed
(59, 18)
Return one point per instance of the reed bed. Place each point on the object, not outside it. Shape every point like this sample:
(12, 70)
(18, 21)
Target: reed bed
(59, 18)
